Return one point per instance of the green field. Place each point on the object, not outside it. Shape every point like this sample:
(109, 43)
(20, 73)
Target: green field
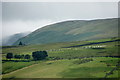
(11, 66)
(57, 50)
(65, 62)
(67, 69)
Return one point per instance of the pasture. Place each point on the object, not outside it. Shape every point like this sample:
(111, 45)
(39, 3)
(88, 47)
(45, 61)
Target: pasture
(65, 62)
(12, 66)
(57, 50)
(68, 69)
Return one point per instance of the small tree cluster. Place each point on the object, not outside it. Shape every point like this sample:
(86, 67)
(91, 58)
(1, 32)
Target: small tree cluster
(39, 55)
(17, 56)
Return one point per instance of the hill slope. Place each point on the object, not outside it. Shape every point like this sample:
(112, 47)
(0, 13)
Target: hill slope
(13, 38)
(76, 30)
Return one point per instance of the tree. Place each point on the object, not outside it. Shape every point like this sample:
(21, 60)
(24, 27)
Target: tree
(22, 56)
(27, 56)
(9, 55)
(45, 53)
(20, 43)
(39, 55)
(17, 56)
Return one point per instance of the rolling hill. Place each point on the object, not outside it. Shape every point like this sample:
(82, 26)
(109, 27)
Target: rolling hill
(74, 30)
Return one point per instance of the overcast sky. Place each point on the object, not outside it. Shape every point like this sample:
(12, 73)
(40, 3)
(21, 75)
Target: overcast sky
(20, 17)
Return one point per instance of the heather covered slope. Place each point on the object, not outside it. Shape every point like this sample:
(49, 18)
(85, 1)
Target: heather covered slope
(75, 30)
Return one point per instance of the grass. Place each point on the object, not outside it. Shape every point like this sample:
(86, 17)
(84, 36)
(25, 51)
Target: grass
(67, 69)
(12, 66)
(30, 48)
(94, 69)
(81, 61)
(66, 53)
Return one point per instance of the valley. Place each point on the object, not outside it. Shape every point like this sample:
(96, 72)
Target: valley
(62, 62)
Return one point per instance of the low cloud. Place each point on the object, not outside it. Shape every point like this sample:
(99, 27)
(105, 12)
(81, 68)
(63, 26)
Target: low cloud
(19, 26)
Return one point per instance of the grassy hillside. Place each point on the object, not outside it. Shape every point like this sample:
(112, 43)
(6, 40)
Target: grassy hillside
(73, 62)
(75, 30)
(68, 69)
(58, 50)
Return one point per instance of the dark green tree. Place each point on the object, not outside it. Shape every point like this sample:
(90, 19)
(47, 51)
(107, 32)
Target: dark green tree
(22, 56)
(45, 53)
(9, 55)
(20, 43)
(17, 56)
(39, 55)
(27, 56)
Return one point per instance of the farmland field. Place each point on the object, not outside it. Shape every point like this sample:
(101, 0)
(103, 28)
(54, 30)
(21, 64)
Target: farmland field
(56, 48)
(73, 62)
(66, 68)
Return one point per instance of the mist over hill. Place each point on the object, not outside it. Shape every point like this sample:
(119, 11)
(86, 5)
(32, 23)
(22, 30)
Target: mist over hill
(7, 41)
(74, 30)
